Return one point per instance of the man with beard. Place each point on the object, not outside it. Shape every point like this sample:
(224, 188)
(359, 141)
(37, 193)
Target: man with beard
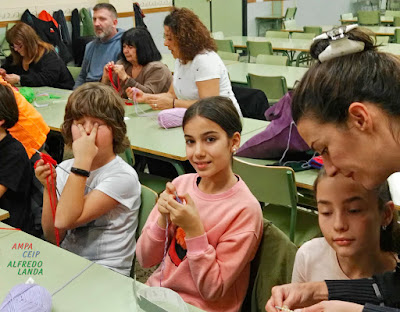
(105, 48)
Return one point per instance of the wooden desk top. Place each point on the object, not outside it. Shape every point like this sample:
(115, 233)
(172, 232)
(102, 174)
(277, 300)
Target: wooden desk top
(301, 45)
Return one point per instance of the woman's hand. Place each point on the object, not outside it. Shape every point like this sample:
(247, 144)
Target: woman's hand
(333, 306)
(12, 78)
(84, 148)
(43, 171)
(120, 71)
(3, 72)
(160, 101)
(296, 295)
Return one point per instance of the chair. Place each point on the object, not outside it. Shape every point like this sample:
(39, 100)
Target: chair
(148, 199)
(382, 40)
(273, 185)
(258, 47)
(290, 13)
(304, 36)
(397, 35)
(273, 87)
(272, 265)
(228, 56)
(4, 46)
(74, 71)
(368, 17)
(224, 45)
(346, 16)
(128, 156)
(392, 13)
(277, 34)
(272, 59)
(317, 30)
(289, 24)
(396, 21)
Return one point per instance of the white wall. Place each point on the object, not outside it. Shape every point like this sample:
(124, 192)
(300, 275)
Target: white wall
(155, 25)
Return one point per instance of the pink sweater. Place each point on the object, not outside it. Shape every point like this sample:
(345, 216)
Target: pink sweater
(214, 273)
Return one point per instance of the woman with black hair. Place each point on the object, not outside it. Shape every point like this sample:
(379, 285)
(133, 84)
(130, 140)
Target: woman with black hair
(139, 65)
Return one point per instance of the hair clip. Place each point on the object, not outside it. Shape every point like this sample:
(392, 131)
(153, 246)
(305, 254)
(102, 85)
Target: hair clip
(339, 44)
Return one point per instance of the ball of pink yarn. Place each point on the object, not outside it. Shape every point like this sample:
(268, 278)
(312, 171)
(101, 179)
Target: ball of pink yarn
(27, 297)
(170, 118)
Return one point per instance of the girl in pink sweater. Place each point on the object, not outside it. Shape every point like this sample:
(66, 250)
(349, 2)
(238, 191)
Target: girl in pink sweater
(214, 232)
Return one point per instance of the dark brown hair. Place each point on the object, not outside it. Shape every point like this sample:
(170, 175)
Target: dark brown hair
(218, 109)
(108, 7)
(190, 33)
(94, 99)
(327, 89)
(8, 107)
(34, 47)
(390, 237)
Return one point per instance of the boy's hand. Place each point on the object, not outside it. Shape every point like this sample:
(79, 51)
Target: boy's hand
(42, 172)
(84, 148)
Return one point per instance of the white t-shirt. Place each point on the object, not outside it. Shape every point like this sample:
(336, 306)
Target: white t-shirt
(316, 261)
(110, 239)
(204, 66)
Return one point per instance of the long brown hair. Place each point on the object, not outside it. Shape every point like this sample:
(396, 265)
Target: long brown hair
(34, 46)
(190, 33)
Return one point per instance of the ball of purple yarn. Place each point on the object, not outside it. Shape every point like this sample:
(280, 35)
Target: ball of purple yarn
(170, 118)
(27, 297)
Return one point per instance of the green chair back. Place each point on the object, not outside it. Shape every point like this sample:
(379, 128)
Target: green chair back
(224, 45)
(273, 87)
(148, 200)
(290, 13)
(396, 21)
(255, 48)
(368, 17)
(289, 24)
(397, 35)
(392, 13)
(74, 71)
(305, 36)
(273, 185)
(128, 156)
(228, 56)
(382, 40)
(317, 30)
(281, 60)
(277, 34)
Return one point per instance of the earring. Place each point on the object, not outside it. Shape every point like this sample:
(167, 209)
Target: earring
(384, 227)
(234, 150)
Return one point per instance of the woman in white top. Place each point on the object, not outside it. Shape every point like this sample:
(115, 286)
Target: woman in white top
(360, 232)
(199, 71)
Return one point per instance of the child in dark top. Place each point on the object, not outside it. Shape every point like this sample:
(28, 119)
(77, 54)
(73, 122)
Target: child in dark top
(15, 168)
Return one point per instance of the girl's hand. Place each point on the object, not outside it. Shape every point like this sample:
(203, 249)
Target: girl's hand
(84, 148)
(333, 306)
(140, 95)
(296, 295)
(186, 216)
(163, 203)
(160, 101)
(43, 171)
(120, 71)
(12, 78)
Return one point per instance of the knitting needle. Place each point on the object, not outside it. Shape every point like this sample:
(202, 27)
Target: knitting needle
(58, 166)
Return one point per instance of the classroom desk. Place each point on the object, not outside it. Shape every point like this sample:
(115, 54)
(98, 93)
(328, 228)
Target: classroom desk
(299, 29)
(382, 30)
(393, 48)
(169, 60)
(273, 19)
(300, 45)
(4, 214)
(96, 289)
(239, 71)
(384, 19)
(146, 136)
